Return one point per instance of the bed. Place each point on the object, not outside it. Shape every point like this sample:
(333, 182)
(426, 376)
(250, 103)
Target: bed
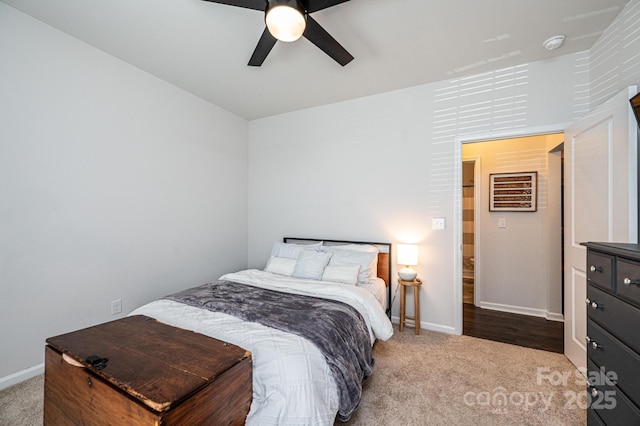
(334, 293)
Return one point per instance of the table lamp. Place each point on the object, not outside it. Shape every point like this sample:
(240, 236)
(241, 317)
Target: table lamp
(407, 256)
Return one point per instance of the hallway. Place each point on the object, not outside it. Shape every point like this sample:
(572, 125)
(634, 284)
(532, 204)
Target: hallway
(511, 250)
(521, 330)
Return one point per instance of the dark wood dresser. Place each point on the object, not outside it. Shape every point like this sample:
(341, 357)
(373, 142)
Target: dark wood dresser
(613, 333)
(155, 375)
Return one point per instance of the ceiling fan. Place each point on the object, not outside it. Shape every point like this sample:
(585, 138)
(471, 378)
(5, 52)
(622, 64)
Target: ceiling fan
(288, 20)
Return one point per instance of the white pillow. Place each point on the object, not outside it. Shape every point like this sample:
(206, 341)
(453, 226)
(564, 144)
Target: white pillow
(356, 247)
(310, 264)
(368, 262)
(345, 274)
(291, 251)
(280, 265)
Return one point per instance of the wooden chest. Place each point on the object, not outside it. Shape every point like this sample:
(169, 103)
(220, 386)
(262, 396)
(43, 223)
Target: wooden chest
(155, 375)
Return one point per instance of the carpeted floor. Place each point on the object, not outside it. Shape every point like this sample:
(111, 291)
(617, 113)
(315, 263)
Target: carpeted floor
(431, 379)
(440, 379)
(21, 404)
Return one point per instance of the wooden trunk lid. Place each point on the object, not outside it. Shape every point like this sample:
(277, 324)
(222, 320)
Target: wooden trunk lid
(157, 364)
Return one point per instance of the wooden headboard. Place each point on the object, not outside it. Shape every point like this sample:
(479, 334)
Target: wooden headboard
(384, 258)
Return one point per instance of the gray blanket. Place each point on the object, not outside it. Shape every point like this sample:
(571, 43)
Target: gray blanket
(337, 329)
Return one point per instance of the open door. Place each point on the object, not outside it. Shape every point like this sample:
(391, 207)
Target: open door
(600, 202)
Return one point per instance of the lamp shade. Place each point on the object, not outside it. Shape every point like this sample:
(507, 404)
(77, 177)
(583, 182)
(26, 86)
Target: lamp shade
(408, 254)
(285, 19)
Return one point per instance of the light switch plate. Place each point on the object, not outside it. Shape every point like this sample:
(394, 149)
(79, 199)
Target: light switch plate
(437, 223)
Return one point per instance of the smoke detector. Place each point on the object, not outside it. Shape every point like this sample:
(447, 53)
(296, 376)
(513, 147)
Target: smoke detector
(552, 43)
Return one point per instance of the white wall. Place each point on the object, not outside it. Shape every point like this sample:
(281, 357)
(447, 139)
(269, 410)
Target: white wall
(113, 184)
(512, 262)
(379, 168)
(615, 58)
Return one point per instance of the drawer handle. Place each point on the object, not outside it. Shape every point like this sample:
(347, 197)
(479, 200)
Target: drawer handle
(629, 281)
(592, 303)
(593, 268)
(594, 392)
(593, 343)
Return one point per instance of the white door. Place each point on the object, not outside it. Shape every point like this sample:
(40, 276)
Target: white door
(600, 202)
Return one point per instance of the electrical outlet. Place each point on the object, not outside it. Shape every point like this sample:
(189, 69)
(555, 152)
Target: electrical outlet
(502, 222)
(116, 307)
(437, 223)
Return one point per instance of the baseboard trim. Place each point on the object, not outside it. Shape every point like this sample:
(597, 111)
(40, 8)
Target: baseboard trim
(430, 326)
(21, 376)
(522, 310)
(553, 316)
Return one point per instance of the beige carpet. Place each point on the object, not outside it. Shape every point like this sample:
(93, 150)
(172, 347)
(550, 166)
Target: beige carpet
(21, 405)
(440, 379)
(431, 379)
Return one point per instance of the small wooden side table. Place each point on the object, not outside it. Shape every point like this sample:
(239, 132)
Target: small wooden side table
(416, 303)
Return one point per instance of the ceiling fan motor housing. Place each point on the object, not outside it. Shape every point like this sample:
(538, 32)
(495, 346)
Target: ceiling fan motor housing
(291, 3)
(288, 20)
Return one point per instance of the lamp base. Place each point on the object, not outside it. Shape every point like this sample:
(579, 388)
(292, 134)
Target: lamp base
(407, 274)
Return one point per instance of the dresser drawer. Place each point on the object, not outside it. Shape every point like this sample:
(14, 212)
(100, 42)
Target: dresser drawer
(600, 269)
(617, 317)
(628, 280)
(616, 359)
(610, 403)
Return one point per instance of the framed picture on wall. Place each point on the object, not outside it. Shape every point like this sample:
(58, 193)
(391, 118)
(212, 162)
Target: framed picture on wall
(513, 192)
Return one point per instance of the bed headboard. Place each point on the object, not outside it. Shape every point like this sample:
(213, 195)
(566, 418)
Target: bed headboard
(384, 258)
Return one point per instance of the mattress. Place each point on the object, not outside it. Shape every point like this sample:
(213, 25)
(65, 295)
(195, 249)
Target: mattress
(292, 383)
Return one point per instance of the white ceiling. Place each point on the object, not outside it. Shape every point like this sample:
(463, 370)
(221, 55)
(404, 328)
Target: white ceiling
(204, 47)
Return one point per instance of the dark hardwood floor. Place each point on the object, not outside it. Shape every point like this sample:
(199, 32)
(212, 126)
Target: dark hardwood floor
(521, 330)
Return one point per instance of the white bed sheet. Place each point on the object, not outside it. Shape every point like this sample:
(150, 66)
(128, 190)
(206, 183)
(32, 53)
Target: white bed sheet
(379, 289)
(292, 383)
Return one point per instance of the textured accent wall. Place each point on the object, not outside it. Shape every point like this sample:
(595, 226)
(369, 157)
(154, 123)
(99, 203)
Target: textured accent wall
(615, 57)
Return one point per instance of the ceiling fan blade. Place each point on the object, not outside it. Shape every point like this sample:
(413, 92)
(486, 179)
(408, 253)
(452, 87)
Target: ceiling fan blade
(266, 43)
(316, 5)
(318, 36)
(249, 4)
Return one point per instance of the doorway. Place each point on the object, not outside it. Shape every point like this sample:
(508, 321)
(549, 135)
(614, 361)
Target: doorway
(511, 260)
(468, 230)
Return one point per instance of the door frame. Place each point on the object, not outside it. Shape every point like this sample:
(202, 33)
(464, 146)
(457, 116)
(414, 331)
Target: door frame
(555, 243)
(477, 205)
(457, 198)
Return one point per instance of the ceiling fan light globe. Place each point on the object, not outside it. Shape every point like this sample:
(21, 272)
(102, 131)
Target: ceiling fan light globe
(285, 23)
